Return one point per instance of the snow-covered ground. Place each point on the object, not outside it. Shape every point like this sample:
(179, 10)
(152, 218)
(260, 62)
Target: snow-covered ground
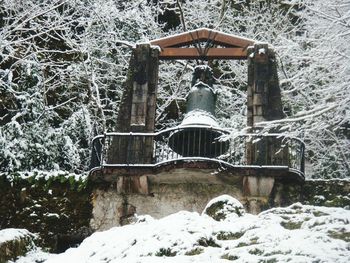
(9, 234)
(298, 233)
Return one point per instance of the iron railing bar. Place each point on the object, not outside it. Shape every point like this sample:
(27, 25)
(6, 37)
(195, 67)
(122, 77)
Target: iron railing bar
(200, 142)
(168, 130)
(206, 159)
(302, 162)
(194, 142)
(278, 135)
(95, 152)
(170, 142)
(102, 151)
(220, 146)
(295, 147)
(188, 145)
(97, 137)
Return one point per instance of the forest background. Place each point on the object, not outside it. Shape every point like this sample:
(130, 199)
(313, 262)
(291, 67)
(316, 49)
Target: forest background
(63, 64)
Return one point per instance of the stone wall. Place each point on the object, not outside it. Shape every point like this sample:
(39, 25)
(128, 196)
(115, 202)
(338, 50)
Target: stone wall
(169, 192)
(173, 190)
(63, 211)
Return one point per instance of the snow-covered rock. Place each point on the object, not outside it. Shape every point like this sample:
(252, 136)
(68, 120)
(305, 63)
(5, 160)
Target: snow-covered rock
(298, 233)
(224, 206)
(14, 243)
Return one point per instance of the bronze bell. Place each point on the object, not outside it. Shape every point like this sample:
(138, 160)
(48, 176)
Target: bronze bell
(198, 134)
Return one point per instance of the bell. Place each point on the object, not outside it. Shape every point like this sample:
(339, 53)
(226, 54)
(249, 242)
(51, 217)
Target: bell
(199, 134)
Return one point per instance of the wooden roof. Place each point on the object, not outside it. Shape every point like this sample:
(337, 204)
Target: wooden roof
(232, 47)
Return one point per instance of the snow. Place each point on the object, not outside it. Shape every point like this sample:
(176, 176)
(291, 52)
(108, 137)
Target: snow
(202, 68)
(298, 233)
(37, 174)
(35, 255)
(9, 234)
(224, 198)
(229, 207)
(199, 117)
(55, 215)
(262, 51)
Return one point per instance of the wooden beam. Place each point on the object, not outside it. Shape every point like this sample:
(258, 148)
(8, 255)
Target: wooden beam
(232, 40)
(181, 39)
(213, 53)
(203, 34)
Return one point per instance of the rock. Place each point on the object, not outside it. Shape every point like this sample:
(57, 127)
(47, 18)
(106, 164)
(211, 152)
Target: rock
(14, 243)
(224, 206)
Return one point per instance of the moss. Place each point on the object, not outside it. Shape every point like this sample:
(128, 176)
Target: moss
(254, 240)
(212, 211)
(207, 242)
(317, 223)
(291, 225)
(220, 209)
(332, 193)
(270, 260)
(319, 213)
(338, 201)
(242, 244)
(341, 234)
(229, 235)
(195, 251)
(256, 251)
(277, 252)
(165, 252)
(229, 257)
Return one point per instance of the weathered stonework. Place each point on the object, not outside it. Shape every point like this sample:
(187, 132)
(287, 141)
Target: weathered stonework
(263, 104)
(263, 92)
(137, 109)
(177, 189)
(169, 192)
(63, 216)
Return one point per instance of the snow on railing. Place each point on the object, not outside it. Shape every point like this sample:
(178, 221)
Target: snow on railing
(197, 143)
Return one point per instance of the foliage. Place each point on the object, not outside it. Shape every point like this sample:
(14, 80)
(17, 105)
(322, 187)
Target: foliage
(46, 180)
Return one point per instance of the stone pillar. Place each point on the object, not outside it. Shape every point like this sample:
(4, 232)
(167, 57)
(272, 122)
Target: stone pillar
(263, 101)
(263, 104)
(137, 110)
(264, 95)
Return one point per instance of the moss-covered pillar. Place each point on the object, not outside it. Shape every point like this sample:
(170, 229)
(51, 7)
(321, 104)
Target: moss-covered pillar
(137, 109)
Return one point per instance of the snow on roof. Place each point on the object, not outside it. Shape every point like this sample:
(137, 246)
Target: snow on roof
(298, 233)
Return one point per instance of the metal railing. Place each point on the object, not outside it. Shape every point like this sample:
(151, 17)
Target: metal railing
(197, 143)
